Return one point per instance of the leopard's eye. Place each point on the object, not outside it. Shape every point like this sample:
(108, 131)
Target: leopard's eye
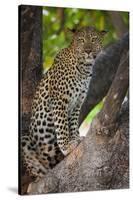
(80, 40)
(94, 38)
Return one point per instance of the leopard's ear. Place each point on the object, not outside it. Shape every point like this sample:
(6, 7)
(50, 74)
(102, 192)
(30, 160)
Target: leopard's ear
(71, 30)
(103, 32)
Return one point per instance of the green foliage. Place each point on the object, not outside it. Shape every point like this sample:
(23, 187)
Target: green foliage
(94, 112)
(56, 21)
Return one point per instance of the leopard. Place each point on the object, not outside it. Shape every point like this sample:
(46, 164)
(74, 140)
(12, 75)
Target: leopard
(54, 124)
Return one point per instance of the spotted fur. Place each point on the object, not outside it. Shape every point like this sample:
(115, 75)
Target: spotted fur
(53, 131)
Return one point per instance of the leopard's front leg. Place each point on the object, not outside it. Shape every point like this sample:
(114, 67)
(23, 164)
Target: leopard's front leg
(74, 118)
(65, 143)
(74, 123)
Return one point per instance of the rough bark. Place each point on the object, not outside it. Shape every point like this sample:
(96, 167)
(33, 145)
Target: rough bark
(30, 69)
(101, 160)
(30, 53)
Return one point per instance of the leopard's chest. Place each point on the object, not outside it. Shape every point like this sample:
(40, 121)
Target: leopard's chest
(77, 93)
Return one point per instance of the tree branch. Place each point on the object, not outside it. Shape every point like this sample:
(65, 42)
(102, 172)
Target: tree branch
(61, 16)
(116, 94)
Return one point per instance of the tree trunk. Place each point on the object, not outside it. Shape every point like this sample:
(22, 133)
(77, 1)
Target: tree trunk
(30, 64)
(30, 54)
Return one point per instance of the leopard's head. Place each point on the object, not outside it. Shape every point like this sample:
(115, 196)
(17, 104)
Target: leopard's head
(88, 39)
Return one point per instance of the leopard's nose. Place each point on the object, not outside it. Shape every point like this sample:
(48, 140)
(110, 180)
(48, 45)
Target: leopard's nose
(94, 56)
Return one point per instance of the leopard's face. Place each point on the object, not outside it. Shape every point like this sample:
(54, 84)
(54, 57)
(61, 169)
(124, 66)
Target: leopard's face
(88, 39)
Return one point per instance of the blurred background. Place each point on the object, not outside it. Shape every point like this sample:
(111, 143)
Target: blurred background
(56, 21)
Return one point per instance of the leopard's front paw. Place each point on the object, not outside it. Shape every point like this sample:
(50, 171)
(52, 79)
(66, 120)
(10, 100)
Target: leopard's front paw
(71, 146)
